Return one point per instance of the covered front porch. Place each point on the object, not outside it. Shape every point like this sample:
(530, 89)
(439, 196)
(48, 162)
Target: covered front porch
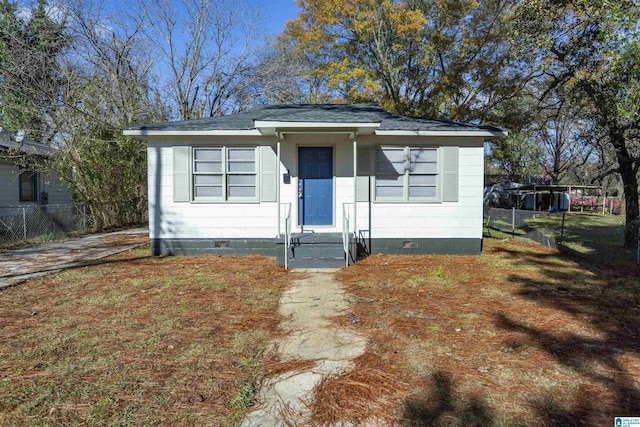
(320, 221)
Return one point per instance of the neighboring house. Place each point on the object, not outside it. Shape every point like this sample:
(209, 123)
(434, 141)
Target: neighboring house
(19, 187)
(238, 184)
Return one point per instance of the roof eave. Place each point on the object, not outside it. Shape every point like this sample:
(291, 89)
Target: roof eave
(271, 128)
(486, 133)
(176, 132)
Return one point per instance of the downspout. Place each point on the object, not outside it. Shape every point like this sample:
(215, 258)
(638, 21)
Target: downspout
(355, 186)
(278, 177)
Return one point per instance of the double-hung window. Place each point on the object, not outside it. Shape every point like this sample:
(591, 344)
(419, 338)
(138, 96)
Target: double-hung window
(224, 174)
(406, 174)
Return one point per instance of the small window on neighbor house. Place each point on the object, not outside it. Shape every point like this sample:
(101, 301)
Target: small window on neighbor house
(406, 173)
(28, 186)
(224, 174)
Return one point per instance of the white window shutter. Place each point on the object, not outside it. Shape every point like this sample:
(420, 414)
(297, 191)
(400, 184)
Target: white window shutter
(450, 164)
(181, 161)
(268, 174)
(364, 174)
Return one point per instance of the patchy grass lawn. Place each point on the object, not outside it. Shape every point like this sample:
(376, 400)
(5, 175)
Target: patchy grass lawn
(136, 340)
(584, 233)
(518, 336)
(590, 236)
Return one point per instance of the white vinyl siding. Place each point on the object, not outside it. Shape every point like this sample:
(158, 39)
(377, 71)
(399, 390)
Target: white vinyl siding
(406, 174)
(457, 212)
(224, 174)
(459, 217)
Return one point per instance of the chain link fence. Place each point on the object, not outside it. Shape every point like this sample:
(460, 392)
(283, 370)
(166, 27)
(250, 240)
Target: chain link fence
(596, 235)
(41, 222)
(519, 224)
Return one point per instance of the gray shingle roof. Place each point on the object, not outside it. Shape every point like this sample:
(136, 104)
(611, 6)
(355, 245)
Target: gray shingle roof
(320, 113)
(27, 146)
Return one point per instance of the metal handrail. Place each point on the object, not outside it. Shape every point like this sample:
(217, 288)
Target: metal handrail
(287, 234)
(363, 241)
(346, 213)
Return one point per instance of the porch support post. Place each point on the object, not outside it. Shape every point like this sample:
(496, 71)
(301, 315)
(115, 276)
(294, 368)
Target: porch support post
(278, 178)
(355, 185)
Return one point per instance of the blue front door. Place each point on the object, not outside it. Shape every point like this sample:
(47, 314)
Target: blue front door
(315, 185)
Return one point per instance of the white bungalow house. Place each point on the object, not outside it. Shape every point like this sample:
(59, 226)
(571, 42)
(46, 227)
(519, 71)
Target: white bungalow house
(317, 182)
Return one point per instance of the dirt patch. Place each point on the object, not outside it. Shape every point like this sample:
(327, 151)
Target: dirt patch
(136, 340)
(517, 336)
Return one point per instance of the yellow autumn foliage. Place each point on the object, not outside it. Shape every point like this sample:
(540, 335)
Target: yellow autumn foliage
(412, 56)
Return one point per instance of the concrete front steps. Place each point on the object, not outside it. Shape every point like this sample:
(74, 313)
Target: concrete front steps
(315, 250)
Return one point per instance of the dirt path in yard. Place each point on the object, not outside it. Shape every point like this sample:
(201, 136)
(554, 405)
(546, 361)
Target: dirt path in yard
(310, 335)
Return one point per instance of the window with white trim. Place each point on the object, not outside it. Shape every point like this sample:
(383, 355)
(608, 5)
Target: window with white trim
(406, 173)
(224, 174)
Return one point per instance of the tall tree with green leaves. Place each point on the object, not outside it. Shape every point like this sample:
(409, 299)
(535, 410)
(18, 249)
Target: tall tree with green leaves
(518, 154)
(590, 54)
(561, 132)
(31, 45)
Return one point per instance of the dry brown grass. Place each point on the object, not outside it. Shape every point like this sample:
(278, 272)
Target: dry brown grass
(135, 340)
(517, 336)
(366, 394)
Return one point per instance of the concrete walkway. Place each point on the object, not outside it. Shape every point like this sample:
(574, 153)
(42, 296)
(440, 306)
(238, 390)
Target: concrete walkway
(19, 265)
(308, 306)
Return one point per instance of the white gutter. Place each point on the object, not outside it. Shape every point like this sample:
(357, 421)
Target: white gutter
(355, 187)
(266, 128)
(467, 133)
(278, 178)
(218, 132)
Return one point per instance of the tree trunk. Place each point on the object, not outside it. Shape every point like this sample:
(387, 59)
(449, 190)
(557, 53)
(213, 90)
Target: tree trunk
(630, 184)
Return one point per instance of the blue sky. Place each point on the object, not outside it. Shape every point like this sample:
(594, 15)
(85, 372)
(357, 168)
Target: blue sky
(276, 13)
